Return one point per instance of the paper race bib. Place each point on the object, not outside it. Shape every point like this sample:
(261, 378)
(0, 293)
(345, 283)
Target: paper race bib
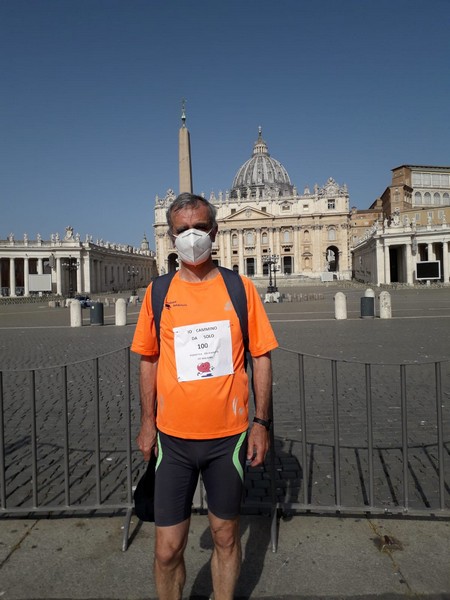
(203, 350)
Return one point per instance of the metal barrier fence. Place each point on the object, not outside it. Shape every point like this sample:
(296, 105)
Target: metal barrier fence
(348, 437)
(66, 437)
(362, 438)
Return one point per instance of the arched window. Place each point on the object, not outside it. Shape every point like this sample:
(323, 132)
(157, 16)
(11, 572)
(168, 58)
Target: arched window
(264, 238)
(332, 234)
(286, 236)
(436, 198)
(417, 198)
(445, 198)
(234, 240)
(306, 235)
(427, 198)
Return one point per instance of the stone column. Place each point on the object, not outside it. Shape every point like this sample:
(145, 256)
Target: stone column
(26, 274)
(80, 276)
(319, 256)
(241, 252)
(445, 262)
(228, 250)
(58, 276)
(409, 264)
(94, 276)
(297, 250)
(222, 236)
(87, 274)
(380, 267)
(40, 266)
(430, 251)
(271, 240)
(258, 270)
(12, 277)
(387, 264)
(277, 246)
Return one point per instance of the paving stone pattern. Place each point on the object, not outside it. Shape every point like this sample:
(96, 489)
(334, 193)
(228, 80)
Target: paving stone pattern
(417, 336)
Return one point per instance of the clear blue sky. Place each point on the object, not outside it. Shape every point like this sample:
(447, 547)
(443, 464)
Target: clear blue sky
(91, 100)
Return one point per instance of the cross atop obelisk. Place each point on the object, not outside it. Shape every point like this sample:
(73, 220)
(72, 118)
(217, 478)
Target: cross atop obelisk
(184, 154)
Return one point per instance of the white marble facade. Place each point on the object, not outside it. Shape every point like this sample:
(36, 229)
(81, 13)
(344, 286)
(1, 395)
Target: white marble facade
(264, 215)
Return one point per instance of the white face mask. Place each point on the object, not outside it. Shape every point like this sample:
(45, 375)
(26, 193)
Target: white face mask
(194, 246)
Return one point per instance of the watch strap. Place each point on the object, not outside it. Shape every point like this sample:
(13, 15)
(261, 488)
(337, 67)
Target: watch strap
(265, 423)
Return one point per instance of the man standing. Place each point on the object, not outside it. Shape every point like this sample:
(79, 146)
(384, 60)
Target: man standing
(195, 381)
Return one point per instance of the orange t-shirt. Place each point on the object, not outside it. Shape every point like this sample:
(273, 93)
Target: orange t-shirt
(194, 401)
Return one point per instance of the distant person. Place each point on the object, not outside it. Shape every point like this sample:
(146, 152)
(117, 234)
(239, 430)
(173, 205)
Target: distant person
(196, 385)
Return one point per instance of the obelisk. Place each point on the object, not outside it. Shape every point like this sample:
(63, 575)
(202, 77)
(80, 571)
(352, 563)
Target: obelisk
(184, 150)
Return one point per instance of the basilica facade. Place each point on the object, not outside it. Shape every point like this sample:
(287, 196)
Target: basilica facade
(263, 219)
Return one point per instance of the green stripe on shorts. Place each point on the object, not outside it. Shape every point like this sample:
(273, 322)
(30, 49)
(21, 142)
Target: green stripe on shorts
(160, 453)
(236, 461)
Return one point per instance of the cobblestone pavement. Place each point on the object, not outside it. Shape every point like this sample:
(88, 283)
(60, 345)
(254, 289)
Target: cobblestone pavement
(37, 337)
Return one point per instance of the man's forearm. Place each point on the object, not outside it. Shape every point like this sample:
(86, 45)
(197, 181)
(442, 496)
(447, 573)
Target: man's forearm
(259, 441)
(147, 388)
(262, 383)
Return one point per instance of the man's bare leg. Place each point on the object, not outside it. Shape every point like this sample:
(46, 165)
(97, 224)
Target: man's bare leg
(170, 571)
(226, 557)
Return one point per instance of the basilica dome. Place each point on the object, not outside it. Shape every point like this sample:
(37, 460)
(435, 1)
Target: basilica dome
(261, 175)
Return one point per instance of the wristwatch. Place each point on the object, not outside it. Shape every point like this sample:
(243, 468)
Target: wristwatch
(263, 422)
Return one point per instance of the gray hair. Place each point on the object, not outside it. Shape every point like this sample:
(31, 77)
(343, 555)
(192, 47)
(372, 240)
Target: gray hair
(192, 201)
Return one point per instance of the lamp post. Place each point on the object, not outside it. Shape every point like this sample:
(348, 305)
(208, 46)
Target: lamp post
(271, 261)
(72, 265)
(133, 272)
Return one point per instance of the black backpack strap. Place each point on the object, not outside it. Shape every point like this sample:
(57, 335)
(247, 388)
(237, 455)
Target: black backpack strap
(236, 291)
(238, 297)
(160, 287)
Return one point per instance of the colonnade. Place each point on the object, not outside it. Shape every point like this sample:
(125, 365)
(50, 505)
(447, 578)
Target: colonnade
(80, 271)
(408, 254)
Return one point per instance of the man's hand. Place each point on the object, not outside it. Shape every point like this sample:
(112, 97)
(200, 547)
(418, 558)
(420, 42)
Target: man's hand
(258, 445)
(146, 440)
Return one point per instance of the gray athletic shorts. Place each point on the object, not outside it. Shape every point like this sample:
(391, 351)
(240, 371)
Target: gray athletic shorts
(221, 463)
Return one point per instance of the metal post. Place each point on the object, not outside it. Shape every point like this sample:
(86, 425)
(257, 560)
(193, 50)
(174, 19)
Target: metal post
(97, 432)
(66, 435)
(32, 383)
(129, 457)
(369, 432)
(301, 375)
(273, 493)
(2, 448)
(404, 418)
(337, 450)
(440, 434)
